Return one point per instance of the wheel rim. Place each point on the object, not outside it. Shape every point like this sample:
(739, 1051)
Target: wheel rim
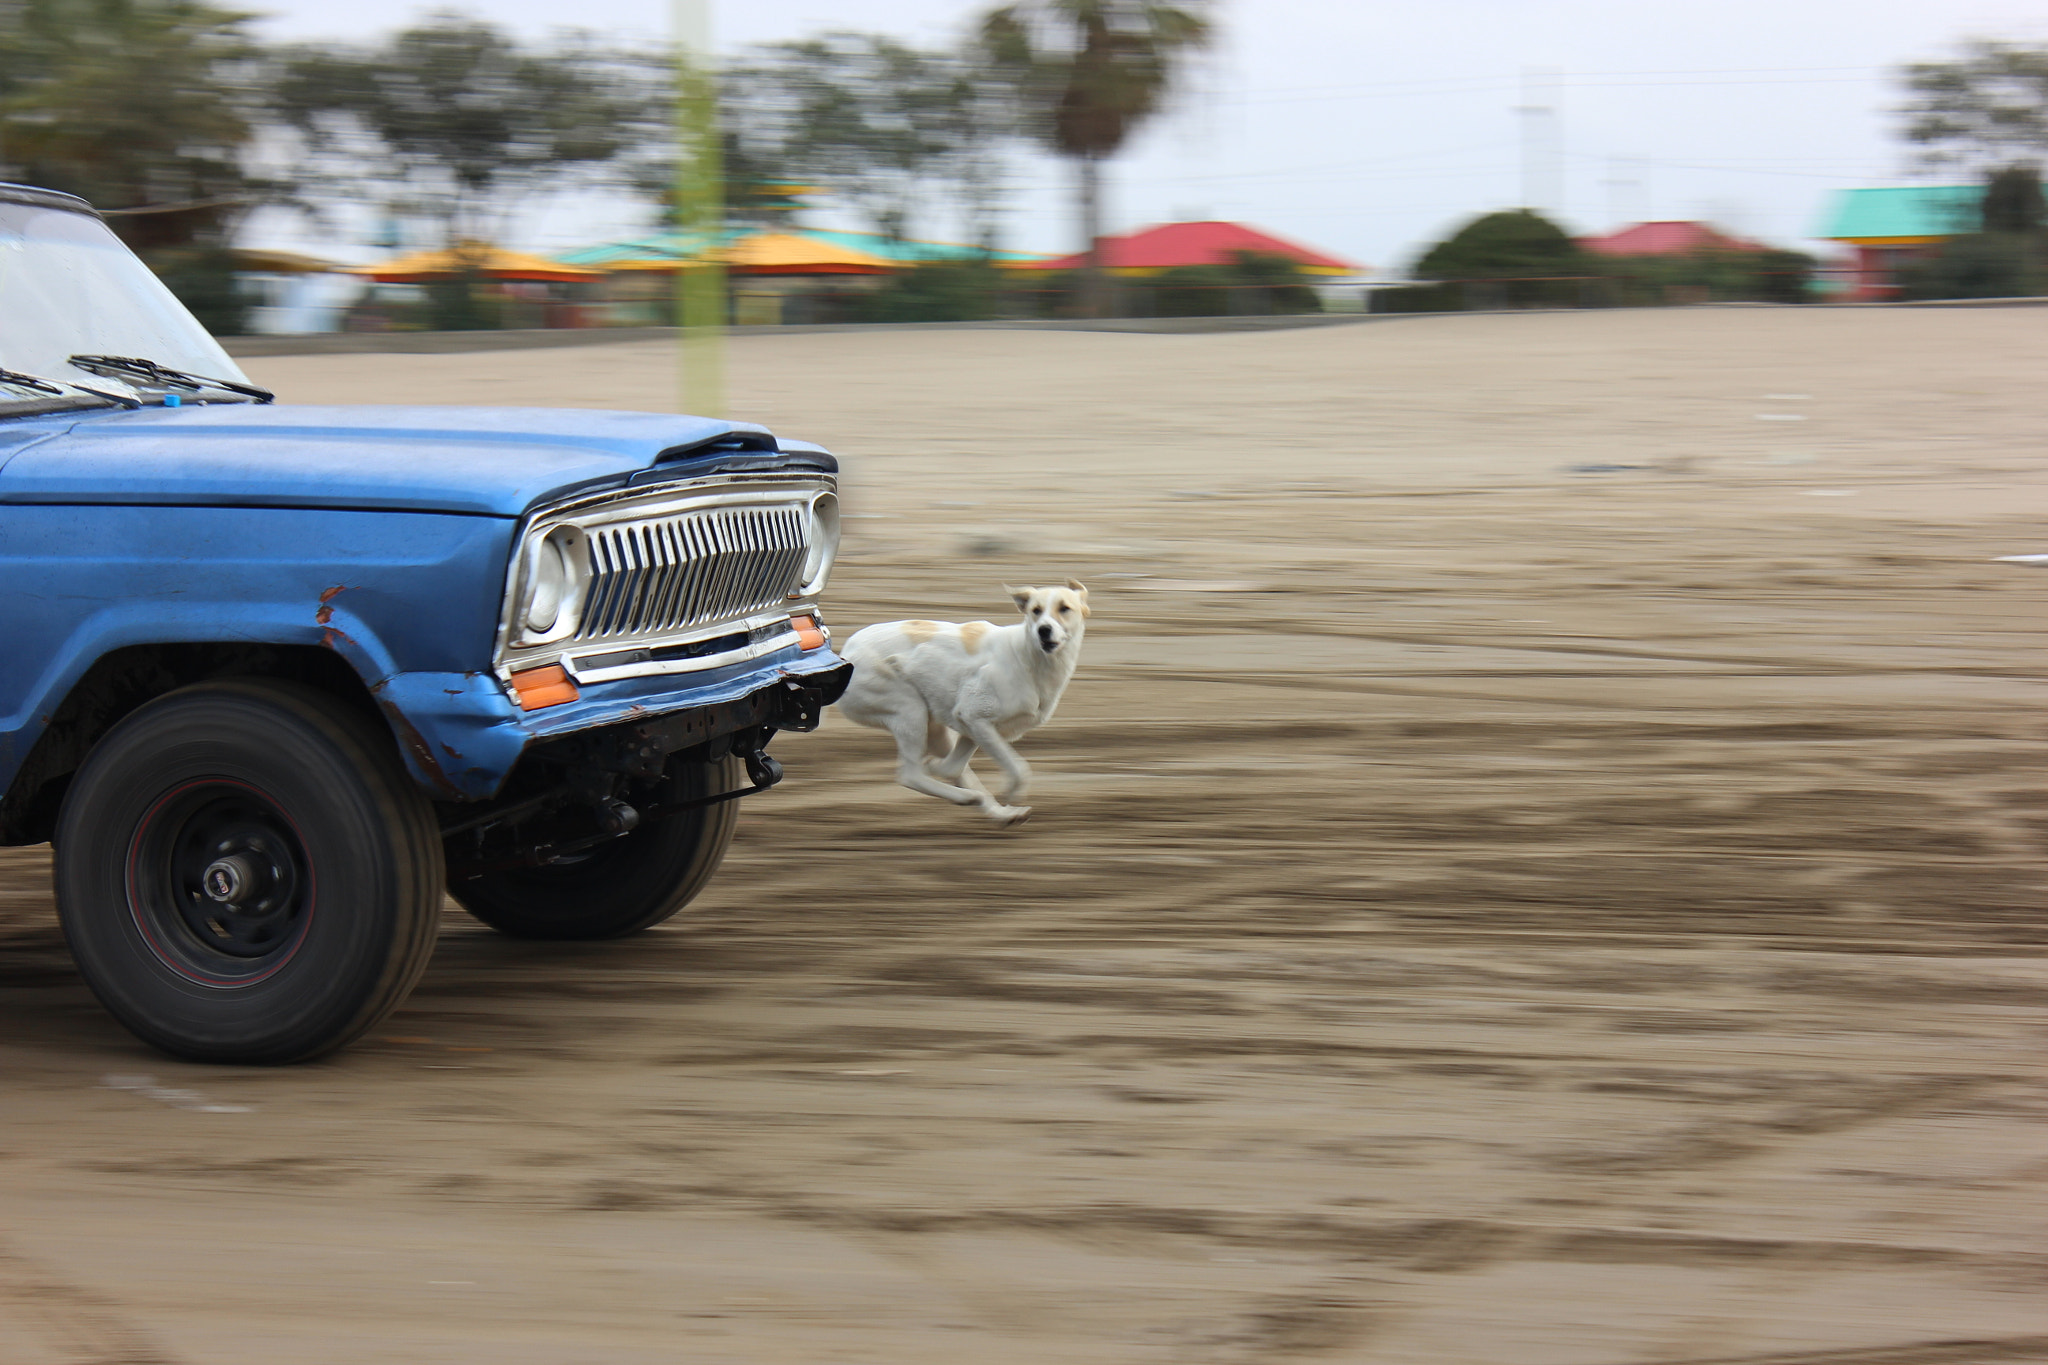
(219, 883)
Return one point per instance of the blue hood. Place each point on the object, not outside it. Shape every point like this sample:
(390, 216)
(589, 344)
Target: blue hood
(482, 461)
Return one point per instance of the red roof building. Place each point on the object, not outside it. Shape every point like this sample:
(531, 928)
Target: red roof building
(1178, 244)
(1666, 239)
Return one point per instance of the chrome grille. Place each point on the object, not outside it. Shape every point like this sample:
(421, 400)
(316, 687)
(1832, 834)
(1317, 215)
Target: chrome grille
(673, 573)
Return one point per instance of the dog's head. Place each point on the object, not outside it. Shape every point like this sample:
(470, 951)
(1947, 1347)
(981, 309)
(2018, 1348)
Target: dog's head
(1053, 617)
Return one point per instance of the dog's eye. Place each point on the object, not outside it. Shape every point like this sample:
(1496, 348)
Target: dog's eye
(1065, 610)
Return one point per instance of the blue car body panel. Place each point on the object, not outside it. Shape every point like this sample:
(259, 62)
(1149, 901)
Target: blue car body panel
(383, 534)
(480, 461)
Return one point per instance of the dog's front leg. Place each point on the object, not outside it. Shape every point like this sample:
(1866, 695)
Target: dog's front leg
(952, 767)
(1016, 772)
(994, 809)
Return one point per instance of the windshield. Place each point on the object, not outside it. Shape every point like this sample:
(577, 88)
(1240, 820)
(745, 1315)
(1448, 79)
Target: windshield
(69, 287)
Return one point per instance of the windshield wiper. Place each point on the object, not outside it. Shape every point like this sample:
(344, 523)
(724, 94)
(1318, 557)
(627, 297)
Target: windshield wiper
(163, 376)
(29, 381)
(57, 388)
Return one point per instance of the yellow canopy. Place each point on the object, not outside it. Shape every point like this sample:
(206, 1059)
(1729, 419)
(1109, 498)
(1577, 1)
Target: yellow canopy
(785, 253)
(487, 260)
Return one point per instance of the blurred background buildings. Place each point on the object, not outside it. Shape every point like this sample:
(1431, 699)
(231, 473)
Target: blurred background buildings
(463, 170)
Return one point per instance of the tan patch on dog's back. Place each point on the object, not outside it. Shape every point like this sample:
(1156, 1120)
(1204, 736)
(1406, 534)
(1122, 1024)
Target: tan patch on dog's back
(971, 633)
(917, 632)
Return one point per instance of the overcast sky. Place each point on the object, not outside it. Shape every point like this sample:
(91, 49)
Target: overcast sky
(1368, 128)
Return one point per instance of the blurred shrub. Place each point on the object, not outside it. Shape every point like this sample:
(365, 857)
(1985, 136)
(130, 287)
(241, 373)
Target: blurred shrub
(1980, 265)
(1712, 277)
(1253, 283)
(1417, 298)
(1452, 296)
(937, 291)
(456, 303)
(2008, 258)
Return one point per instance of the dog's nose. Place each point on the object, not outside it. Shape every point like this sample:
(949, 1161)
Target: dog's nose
(1045, 633)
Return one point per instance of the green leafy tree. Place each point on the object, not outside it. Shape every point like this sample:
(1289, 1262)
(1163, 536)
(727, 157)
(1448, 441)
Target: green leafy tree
(2007, 257)
(1987, 108)
(885, 125)
(146, 108)
(1085, 75)
(457, 122)
(2013, 201)
(1987, 111)
(1514, 244)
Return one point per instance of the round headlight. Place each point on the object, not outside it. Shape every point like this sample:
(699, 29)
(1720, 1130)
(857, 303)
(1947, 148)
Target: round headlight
(549, 582)
(824, 543)
(552, 586)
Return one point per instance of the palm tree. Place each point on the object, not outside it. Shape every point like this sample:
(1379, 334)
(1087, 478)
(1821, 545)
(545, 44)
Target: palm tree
(1086, 73)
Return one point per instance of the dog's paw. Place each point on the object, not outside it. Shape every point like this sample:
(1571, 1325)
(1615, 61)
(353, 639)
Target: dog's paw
(1007, 816)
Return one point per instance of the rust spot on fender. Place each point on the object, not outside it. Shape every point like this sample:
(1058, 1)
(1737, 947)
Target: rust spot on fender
(416, 744)
(326, 612)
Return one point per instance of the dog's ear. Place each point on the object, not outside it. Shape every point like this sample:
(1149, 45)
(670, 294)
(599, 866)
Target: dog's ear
(1080, 590)
(1077, 586)
(1021, 596)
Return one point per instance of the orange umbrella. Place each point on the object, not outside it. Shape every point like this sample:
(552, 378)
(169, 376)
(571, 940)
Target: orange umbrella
(495, 262)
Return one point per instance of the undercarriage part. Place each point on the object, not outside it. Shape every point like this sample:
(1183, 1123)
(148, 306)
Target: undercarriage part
(575, 793)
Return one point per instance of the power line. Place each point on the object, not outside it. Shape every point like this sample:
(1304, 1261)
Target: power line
(1737, 170)
(1592, 80)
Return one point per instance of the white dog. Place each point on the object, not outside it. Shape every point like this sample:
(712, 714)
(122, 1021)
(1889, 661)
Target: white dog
(945, 690)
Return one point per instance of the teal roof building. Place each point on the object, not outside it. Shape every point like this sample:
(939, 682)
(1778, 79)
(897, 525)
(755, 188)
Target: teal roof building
(1914, 215)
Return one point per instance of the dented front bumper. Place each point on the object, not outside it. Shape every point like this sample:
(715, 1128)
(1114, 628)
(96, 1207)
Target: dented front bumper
(462, 733)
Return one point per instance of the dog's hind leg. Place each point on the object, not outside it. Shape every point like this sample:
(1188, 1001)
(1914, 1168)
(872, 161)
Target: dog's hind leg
(913, 733)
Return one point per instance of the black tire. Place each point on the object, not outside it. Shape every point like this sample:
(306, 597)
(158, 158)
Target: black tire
(246, 874)
(620, 887)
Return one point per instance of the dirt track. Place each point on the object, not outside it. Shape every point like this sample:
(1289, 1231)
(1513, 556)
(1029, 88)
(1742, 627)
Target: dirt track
(1476, 910)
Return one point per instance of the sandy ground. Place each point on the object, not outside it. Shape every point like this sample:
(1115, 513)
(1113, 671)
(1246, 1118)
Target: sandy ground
(1542, 864)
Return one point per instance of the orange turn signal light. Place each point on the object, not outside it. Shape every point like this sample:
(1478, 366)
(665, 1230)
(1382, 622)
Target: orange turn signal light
(538, 687)
(809, 634)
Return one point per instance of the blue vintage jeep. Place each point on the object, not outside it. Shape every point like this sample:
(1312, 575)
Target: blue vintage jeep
(274, 678)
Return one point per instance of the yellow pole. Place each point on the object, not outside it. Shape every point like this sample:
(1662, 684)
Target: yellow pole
(700, 213)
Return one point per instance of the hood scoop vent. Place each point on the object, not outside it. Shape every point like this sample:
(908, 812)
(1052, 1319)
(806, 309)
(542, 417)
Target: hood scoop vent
(744, 441)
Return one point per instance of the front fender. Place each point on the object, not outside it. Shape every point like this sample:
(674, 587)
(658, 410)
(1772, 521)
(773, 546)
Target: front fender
(394, 593)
